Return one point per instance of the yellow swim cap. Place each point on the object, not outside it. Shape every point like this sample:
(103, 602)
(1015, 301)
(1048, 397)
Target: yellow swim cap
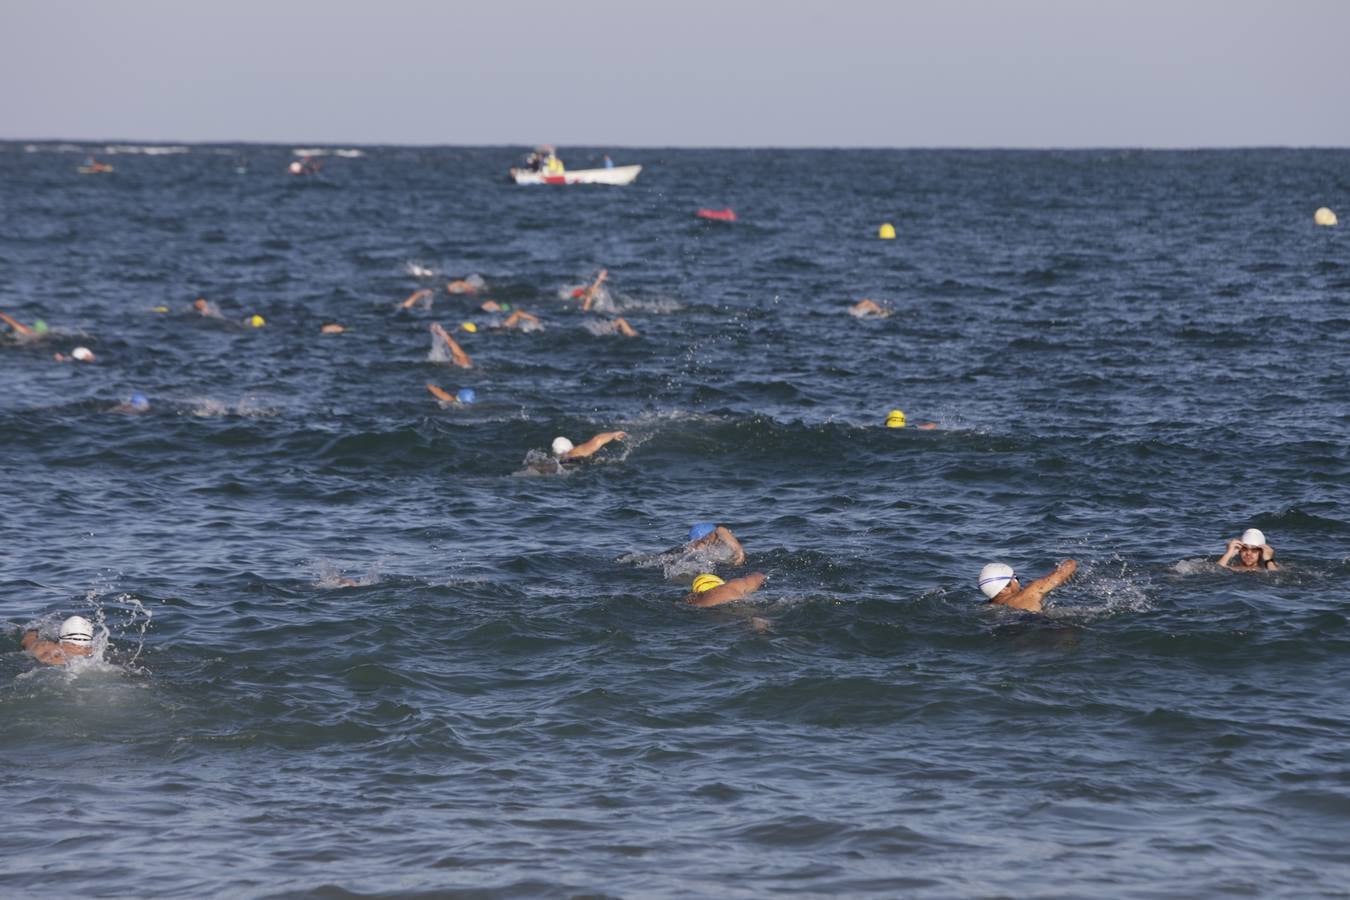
(256, 321)
(895, 419)
(886, 232)
(469, 327)
(161, 309)
(706, 583)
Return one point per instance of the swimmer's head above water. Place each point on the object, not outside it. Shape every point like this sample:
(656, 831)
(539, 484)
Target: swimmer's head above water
(466, 395)
(138, 402)
(561, 446)
(895, 419)
(701, 530)
(1249, 552)
(706, 582)
(995, 577)
(77, 630)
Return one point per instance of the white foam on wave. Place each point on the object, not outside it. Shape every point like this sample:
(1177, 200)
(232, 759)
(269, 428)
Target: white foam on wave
(679, 564)
(147, 149)
(538, 463)
(601, 327)
(329, 575)
(439, 352)
(658, 306)
(210, 408)
(1198, 565)
(417, 270)
(345, 153)
(1111, 588)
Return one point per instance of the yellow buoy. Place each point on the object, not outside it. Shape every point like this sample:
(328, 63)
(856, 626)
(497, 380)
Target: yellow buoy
(1324, 216)
(887, 232)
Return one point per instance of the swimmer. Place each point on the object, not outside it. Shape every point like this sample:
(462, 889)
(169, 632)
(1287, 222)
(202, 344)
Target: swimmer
(588, 295)
(718, 539)
(709, 590)
(79, 354)
(457, 354)
(524, 321)
(331, 328)
(565, 455)
(463, 397)
(421, 299)
(616, 326)
(494, 306)
(896, 419)
(77, 639)
(999, 583)
(134, 406)
(471, 285)
(1252, 552)
(206, 308)
(565, 451)
(868, 309)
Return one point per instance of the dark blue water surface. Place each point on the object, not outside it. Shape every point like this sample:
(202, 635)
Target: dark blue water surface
(1132, 357)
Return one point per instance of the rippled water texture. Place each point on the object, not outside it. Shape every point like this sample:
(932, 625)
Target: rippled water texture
(356, 645)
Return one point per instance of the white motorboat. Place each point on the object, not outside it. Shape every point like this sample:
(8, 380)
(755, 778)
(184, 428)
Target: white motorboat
(614, 175)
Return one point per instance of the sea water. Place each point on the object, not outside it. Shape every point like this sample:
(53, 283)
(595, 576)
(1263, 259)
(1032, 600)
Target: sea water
(351, 651)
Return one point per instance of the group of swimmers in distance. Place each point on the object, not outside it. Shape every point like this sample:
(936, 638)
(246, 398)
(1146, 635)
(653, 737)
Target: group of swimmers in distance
(708, 543)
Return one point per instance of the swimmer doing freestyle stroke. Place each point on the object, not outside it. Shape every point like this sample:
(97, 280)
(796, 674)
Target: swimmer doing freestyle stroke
(457, 354)
(999, 583)
(76, 640)
(709, 590)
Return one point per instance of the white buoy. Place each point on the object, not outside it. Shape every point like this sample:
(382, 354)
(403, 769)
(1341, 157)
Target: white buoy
(1324, 216)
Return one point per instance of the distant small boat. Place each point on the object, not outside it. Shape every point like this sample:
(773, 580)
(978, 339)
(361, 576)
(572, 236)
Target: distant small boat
(717, 215)
(96, 168)
(615, 175)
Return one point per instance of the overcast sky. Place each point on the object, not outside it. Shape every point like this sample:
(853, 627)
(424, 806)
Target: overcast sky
(824, 73)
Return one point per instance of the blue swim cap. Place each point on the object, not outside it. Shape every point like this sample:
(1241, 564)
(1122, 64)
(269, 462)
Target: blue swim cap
(466, 395)
(138, 401)
(701, 529)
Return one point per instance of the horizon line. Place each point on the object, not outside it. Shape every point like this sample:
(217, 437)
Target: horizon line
(169, 142)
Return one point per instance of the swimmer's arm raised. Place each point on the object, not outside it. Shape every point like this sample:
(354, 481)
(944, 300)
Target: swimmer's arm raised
(726, 537)
(590, 291)
(1234, 546)
(1031, 596)
(734, 589)
(414, 297)
(581, 451)
(457, 354)
(18, 326)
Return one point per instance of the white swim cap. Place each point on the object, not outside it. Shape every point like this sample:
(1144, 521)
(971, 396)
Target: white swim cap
(83, 354)
(561, 445)
(1252, 537)
(77, 630)
(994, 578)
